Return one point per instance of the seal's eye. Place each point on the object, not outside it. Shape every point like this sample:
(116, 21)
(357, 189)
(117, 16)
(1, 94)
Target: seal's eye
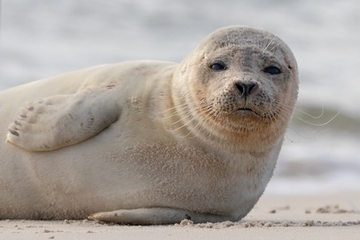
(218, 66)
(272, 70)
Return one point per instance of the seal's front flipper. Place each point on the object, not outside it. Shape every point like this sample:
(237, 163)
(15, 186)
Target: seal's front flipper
(155, 216)
(63, 120)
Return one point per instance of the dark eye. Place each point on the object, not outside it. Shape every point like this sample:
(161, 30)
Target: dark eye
(272, 70)
(218, 66)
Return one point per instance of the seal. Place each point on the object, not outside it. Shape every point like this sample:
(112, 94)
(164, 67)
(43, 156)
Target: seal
(148, 142)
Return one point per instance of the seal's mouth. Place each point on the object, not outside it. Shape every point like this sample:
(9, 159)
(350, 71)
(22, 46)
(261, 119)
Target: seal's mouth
(247, 111)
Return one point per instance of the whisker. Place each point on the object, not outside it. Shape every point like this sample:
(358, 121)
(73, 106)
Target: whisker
(298, 134)
(310, 134)
(318, 124)
(172, 109)
(188, 123)
(270, 42)
(200, 126)
(309, 115)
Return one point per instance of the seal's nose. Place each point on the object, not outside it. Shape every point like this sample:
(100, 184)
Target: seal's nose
(246, 88)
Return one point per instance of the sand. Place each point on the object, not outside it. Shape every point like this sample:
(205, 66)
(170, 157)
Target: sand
(335, 216)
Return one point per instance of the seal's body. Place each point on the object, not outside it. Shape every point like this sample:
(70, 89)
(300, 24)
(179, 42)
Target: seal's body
(150, 142)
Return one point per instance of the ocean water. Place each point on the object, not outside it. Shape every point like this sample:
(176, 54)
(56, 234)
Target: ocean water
(321, 151)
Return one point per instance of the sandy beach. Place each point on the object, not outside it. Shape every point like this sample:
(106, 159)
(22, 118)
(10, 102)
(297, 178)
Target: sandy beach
(335, 216)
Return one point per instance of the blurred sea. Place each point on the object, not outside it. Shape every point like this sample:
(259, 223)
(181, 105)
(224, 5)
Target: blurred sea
(40, 38)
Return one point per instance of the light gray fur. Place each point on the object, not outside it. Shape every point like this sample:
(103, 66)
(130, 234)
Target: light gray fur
(149, 142)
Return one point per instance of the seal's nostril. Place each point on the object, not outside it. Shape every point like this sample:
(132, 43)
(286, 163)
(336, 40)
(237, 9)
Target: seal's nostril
(246, 88)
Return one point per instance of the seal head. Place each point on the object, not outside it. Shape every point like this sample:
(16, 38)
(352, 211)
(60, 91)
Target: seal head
(237, 89)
